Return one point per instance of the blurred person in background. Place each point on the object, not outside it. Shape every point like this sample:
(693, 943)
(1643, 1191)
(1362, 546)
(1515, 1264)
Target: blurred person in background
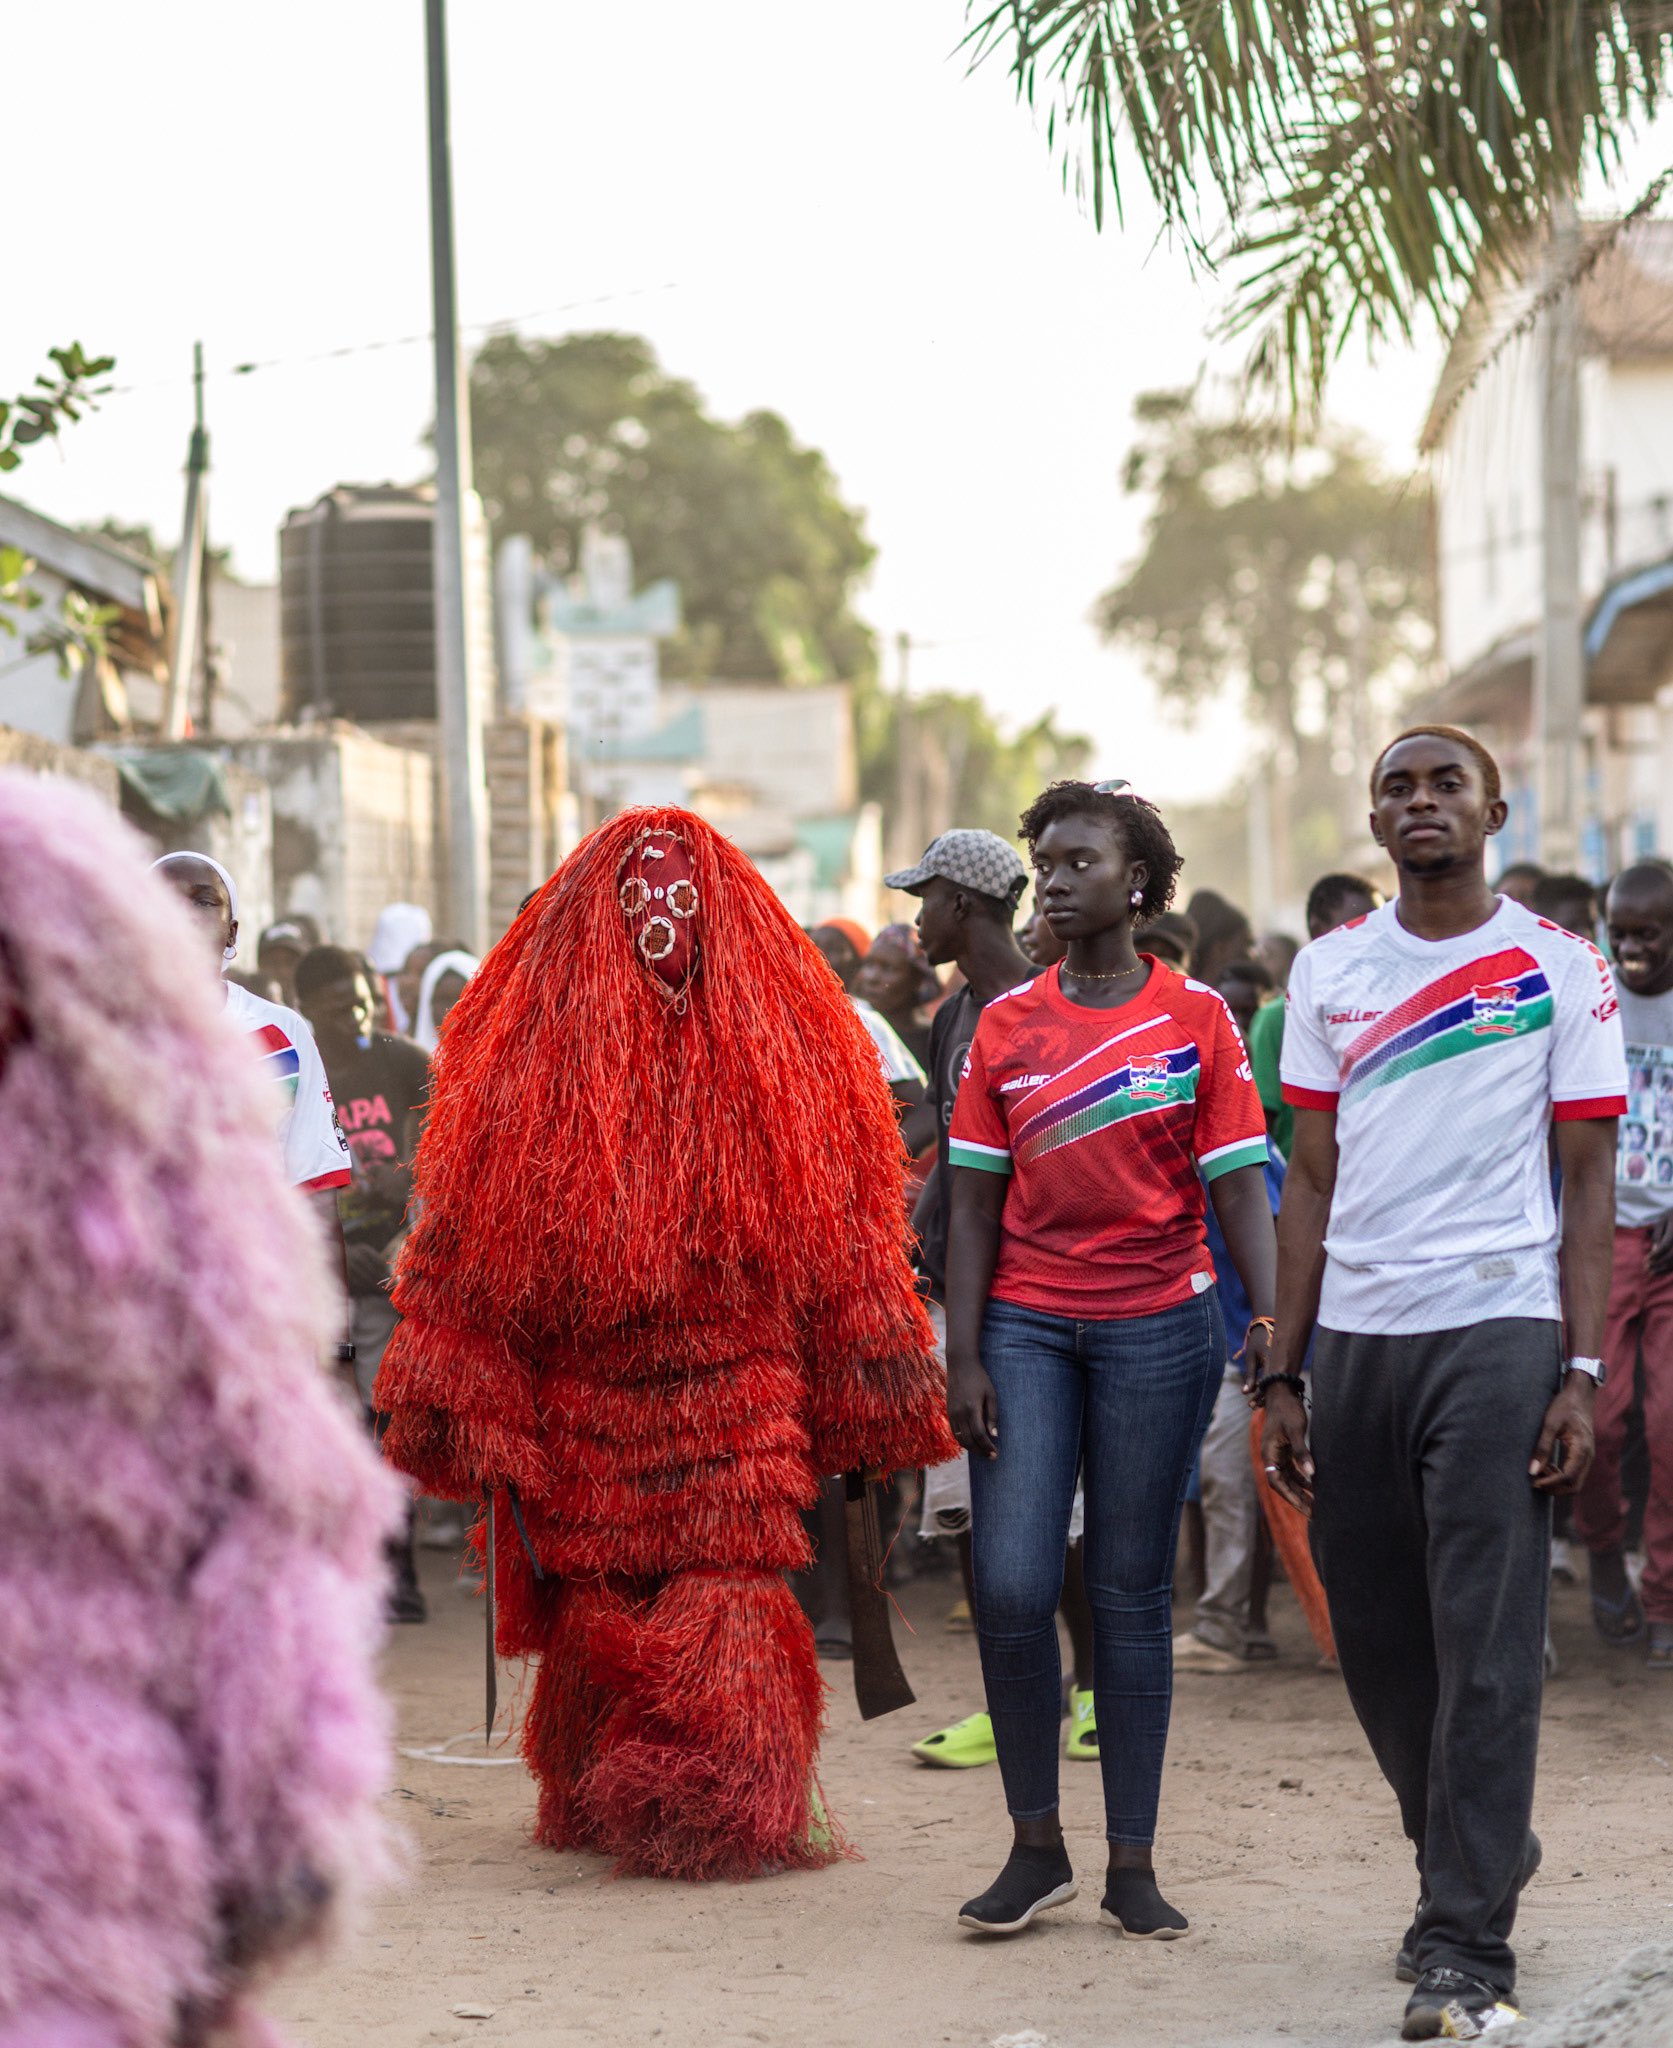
(399, 930)
(278, 950)
(844, 945)
(1224, 1634)
(440, 987)
(1172, 939)
(1640, 1323)
(315, 1154)
(1246, 985)
(379, 1082)
(1333, 900)
(195, 1742)
(900, 984)
(1223, 934)
(1568, 900)
(1038, 941)
(1519, 881)
(1276, 951)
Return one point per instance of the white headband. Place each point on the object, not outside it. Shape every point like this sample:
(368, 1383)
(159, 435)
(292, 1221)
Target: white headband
(228, 953)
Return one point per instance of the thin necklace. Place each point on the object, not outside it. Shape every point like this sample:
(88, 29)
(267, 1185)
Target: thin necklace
(1086, 974)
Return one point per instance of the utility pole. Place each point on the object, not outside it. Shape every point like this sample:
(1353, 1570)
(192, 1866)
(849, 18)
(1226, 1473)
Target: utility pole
(463, 781)
(1559, 661)
(189, 567)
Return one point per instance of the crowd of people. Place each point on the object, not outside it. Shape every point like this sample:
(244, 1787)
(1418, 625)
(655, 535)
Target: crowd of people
(1354, 1255)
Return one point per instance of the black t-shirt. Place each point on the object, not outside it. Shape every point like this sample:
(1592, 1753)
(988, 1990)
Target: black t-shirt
(950, 1032)
(376, 1091)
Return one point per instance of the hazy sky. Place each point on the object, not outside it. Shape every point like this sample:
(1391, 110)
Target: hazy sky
(806, 208)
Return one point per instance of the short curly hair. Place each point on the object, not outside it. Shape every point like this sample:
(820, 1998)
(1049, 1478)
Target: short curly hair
(1135, 821)
(1456, 736)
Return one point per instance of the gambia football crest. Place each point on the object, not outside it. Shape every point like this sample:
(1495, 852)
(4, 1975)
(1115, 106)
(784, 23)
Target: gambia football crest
(1494, 1014)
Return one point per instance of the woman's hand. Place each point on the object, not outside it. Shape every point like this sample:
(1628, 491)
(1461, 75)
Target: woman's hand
(1284, 1453)
(1257, 1346)
(973, 1408)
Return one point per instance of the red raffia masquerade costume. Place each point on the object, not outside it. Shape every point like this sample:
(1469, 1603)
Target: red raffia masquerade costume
(659, 1286)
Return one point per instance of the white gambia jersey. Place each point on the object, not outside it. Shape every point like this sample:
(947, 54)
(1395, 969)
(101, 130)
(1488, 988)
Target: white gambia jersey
(315, 1151)
(1445, 1062)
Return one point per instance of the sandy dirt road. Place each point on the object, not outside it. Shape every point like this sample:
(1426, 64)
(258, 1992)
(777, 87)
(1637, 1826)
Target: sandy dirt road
(1297, 1893)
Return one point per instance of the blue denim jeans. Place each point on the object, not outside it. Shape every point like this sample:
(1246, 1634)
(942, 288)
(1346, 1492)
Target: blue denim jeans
(1123, 1404)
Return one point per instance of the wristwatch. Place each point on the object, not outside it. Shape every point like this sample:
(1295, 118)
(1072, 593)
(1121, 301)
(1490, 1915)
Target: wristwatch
(1591, 1367)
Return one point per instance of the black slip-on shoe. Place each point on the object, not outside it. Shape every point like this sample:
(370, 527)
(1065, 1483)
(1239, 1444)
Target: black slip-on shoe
(1032, 1882)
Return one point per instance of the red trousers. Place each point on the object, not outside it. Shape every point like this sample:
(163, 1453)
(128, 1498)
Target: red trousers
(1640, 1308)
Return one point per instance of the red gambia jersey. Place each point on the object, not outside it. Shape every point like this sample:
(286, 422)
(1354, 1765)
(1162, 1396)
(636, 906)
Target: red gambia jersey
(1108, 1122)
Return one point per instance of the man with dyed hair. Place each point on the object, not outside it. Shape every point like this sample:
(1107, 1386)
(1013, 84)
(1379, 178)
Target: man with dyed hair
(1429, 1048)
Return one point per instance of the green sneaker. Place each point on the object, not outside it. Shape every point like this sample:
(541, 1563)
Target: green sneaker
(964, 1746)
(1082, 1745)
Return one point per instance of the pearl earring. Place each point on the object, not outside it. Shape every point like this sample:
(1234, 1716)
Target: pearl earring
(1136, 898)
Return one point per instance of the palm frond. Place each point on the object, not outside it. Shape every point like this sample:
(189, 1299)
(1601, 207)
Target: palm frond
(1358, 162)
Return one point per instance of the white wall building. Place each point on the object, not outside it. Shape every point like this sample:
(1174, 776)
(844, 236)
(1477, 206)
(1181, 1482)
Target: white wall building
(36, 696)
(1484, 439)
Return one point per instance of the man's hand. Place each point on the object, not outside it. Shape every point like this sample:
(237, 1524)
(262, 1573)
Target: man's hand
(368, 1270)
(1563, 1455)
(973, 1409)
(1660, 1257)
(1284, 1452)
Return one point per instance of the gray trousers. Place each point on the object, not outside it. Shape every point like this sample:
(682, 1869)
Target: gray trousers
(373, 1320)
(1434, 1550)
(1229, 1517)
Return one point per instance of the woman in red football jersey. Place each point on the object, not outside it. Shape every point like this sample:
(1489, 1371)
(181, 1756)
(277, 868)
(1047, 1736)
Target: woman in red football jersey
(1083, 1331)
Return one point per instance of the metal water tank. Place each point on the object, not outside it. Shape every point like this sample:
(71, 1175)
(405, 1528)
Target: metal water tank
(356, 606)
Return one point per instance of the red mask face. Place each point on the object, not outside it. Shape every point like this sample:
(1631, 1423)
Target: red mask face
(659, 903)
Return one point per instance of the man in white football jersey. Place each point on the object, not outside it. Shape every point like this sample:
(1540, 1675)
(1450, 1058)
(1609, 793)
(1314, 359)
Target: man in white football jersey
(315, 1151)
(1429, 1050)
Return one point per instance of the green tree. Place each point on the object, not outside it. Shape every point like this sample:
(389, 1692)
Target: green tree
(76, 635)
(986, 779)
(64, 394)
(1297, 575)
(746, 520)
(1371, 159)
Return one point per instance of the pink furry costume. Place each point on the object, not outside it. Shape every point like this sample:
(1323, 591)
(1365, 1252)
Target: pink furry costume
(659, 1287)
(191, 1739)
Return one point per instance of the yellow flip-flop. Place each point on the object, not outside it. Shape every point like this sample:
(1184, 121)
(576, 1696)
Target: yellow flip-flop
(965, 1746)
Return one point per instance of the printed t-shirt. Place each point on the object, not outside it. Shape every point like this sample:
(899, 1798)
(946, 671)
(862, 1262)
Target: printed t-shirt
(1644, 1147)
(892, 1053)
(315, 1153)
(950, 1032)
(1445, 1062)
(1266, 1054)
(1102, 1119)
(376, 1090)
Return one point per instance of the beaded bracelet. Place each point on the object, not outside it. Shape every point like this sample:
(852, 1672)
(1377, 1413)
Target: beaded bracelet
(1293, 1380)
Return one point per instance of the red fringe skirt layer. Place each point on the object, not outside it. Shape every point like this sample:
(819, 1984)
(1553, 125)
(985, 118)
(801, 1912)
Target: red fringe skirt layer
(675, 1728)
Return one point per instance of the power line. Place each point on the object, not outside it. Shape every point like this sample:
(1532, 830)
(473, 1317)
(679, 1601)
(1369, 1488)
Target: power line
(358, 348)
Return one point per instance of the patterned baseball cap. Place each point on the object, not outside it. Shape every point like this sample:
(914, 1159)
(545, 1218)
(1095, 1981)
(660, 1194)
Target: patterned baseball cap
(975, 860)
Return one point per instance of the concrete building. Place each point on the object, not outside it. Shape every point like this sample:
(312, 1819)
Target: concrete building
(1484, 439)
(582, 650)
(353, 823)
(773, 767)
(37, 695)
(244, 650)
